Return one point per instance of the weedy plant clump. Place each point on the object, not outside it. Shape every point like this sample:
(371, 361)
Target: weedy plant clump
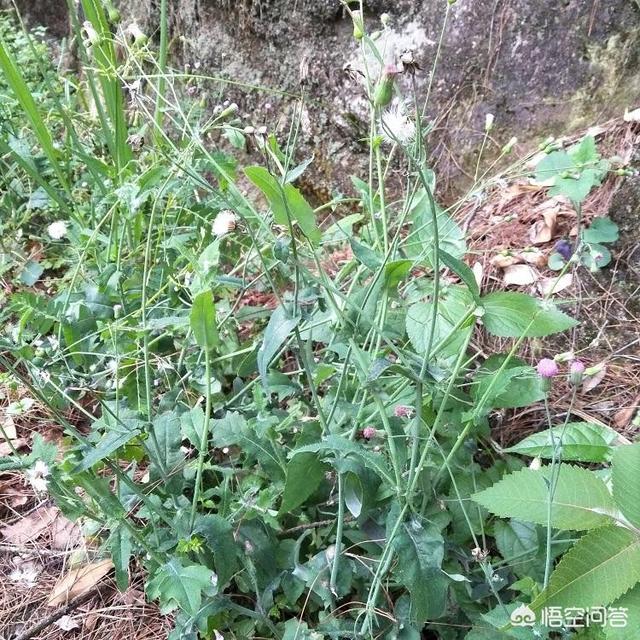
(287, 448)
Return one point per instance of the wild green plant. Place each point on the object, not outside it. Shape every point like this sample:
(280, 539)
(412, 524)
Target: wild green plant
(320, 469)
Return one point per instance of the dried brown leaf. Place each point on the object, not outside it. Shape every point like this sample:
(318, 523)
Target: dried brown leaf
(592, 381)
(30, 527)
(520, 274)
(533, 256)
(547, 286)
(64, 533)
(504, 260)
(78, 581)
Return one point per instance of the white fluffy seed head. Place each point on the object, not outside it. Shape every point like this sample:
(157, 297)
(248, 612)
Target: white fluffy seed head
(57, 230)
(225, 222)
(396, 126)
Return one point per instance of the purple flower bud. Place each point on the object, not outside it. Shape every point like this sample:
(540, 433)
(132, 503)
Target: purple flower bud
(402, 411)
(368, 433)
(576, 372)
(547, 368)
(564, 248)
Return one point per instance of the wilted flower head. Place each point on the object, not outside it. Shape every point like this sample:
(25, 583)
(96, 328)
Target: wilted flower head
(576, 372)
(369, 433)
(396, 126)
(224, 223)
(37, 476)
(402, 411)
(57, 230)
(488, 122)
(547, 368)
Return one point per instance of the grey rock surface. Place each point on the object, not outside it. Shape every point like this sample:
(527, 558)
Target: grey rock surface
(540, 66)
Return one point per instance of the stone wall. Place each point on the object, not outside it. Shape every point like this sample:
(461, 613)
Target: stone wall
(541, 66)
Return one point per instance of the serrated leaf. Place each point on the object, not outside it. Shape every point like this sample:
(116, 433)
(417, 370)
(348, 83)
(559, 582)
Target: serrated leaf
(305, 472)
(603, 565)
(203, 321)
(420, 552)
(518, 544)
(218, 533)
(163, 445)
(176, 585)
(629, 603)
(581, 500)
(581, 441)
(192, 424)
(511, 315)
(277, 332)
(626, 481)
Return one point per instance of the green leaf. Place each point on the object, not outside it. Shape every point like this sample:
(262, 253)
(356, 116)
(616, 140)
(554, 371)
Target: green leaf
(581, 499)
(116, 432)
(601, 230)
(203, 321)
(463, 271)
(120, 547)
(420, 552)
(177, 585)
(626, 481)
(340, 445)
(353, 494)
(366, 256)
(192, 423)
(518, 385)
(163, 445)
(285, 200)
(603, 565)
(419, 244)
(276, 334)
(630, 604)
(31, 273)
(511, 315)
(518, 544)
(582, 441)
(305, 472)
(453, 304)
(218, 533)
(395, 272)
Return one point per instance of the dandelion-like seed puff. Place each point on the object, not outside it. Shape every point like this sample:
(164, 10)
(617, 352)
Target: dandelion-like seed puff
(396, 126)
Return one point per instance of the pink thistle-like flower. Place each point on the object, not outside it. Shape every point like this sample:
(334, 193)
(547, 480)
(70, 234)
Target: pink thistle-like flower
(402, 411)
(368, 433)
(547, 368)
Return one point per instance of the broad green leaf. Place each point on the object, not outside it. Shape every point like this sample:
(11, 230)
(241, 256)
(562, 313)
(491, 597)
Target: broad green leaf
(163, 445)
(511, 315)
(518, 544)
(629, 605)
(218, 533)
(518, 385)
(419, 243)
(285, 201)
(192, 424)
(304, 475)
(581, 441)
(276, 334)
(395, 272)
(601, 230)
(453, 304)
(581, 500)
(176, 585)
(340, 445)
(603, 565)
(626, 481)
(420, 552)
(353, 494)
(203, 321)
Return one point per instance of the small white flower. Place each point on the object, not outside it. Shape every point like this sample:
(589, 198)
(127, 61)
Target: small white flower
(224, 223)
(396, 126)
(26, 574)
(57, 230)
(37, 476)
(488, 122)
(535, 464)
